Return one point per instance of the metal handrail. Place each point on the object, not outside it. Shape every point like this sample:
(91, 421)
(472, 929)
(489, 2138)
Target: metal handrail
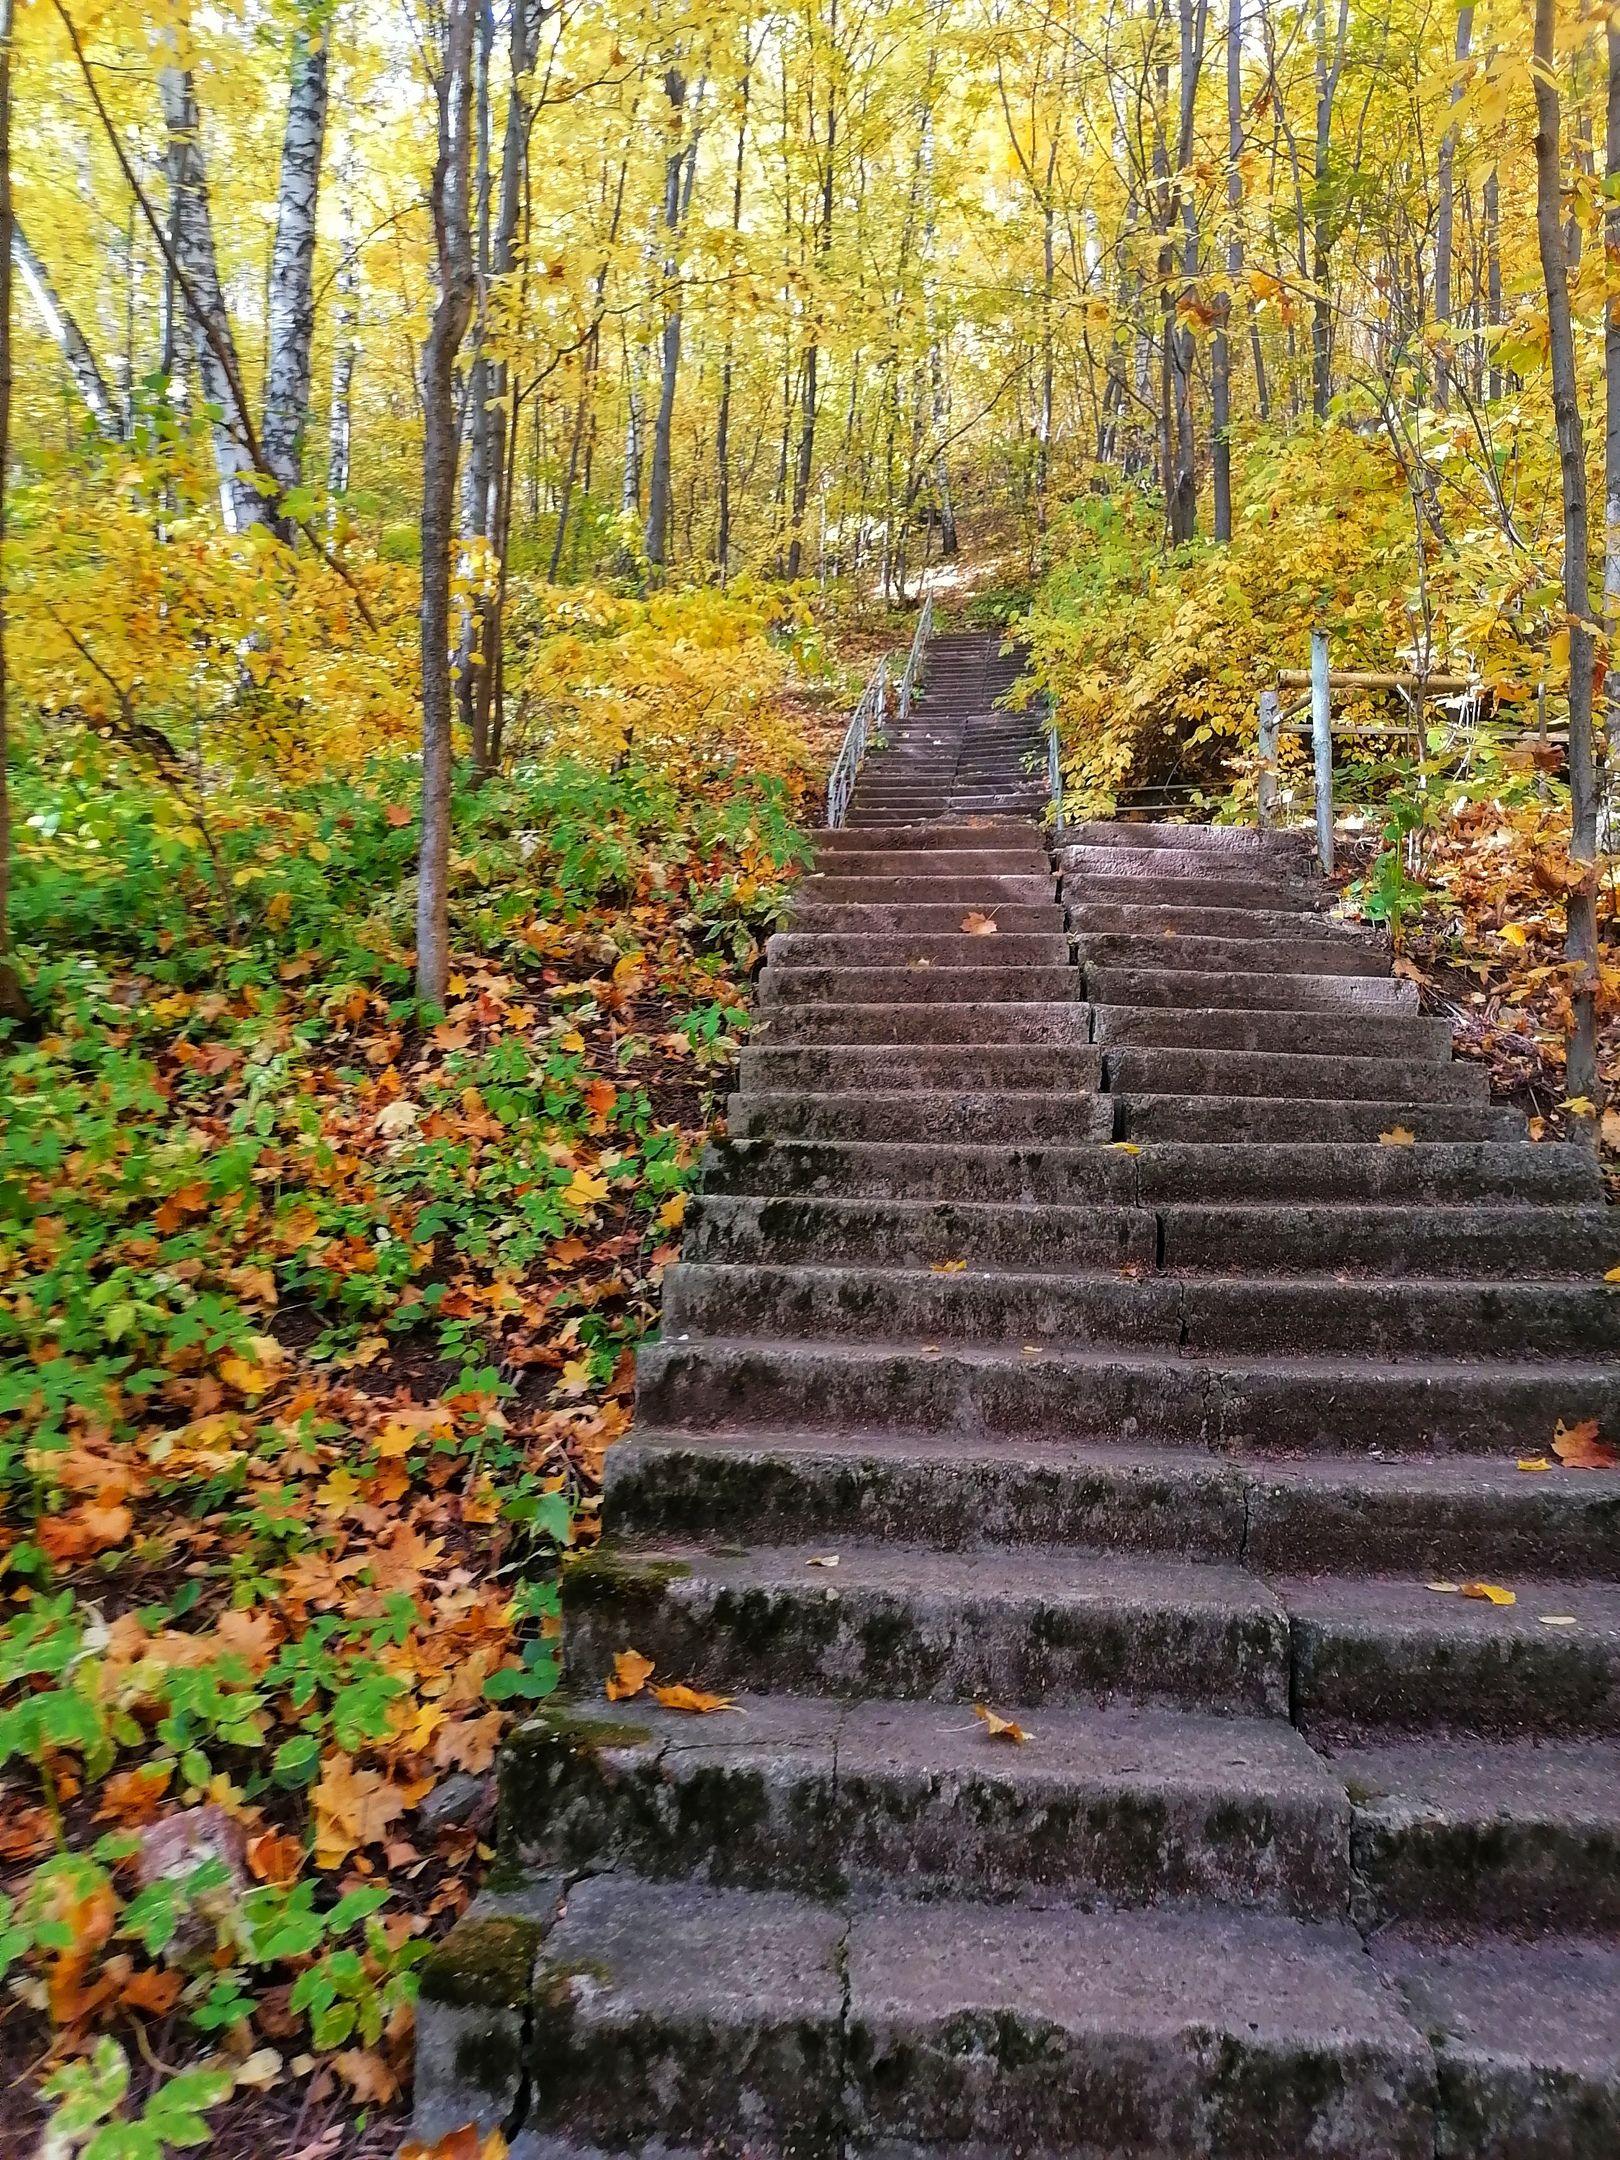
(912, 673)
(869, 715)
(1054, 773)
(866, 721)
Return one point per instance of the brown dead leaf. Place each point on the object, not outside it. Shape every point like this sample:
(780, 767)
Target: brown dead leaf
(999, 1728)
(352, 1807)
(1579, 1448)
(1397, 1136)
(977, 925)
(154, 1991)
(679, 1697)
(274, 1856)
(948, 1267)
(630, 1674)
(367, 2076)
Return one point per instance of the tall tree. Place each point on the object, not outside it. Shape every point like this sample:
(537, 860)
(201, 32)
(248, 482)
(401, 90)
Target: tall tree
(1580, 904)
(292, 262)
(455, 281)
(13, 1002)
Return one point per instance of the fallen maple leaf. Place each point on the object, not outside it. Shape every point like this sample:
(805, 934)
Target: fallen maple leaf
(397, 1119)
(948, 1267)
(999, 1728)
(673, 1212)
(685, 1698)
(1124, 1147)
(1491, 1593)
(977, 925)
(397, 814)
(1532, 1462)
(274, 1856)
(630, 1674)
(1397, 1136)
(154, 1991)
(1579, 1448)
(600, 1097)
(367, 2076)
(352, 1807)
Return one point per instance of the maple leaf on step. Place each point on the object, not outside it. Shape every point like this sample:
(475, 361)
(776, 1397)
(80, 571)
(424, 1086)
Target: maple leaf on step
(1579, 1448)
(999, 1728)
(1397, 1136)
(680, 1697)
(977, 925)
(1491, 1593)
(630, 1674)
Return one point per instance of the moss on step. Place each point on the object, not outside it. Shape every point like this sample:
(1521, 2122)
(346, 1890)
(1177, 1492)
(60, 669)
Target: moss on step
(483, 1964)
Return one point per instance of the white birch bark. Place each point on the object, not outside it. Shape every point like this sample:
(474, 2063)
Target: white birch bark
(292, 263)
(214, 348)
(345, 345)
(69, 339)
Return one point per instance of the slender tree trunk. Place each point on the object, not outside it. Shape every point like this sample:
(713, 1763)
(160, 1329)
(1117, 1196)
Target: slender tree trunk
(243, 502)
(1220, 358)
(1491, 210)
(1183, 506)
(455, 281)
(1446, 218)
(13, 1002)
(345, 349)
(1611, 416)
(63, 330)
(676, 165)
(1581, 906)
(1328, 67)
(722, 428)
(292, 263)
(804, 465)
(472, 700)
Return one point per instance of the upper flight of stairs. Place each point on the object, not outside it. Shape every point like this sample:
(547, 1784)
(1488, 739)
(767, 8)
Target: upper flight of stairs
(1055, 1332)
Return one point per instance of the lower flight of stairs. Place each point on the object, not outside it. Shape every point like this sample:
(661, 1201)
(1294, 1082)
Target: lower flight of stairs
(1065, 1327)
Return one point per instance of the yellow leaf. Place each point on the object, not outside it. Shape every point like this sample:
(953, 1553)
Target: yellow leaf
(1516, 934)
(673, 1212)
(1124, 1147)
(573, 1041)
(630, 1674)
(1533, 1462)
(686, 1698)
(1397, 1136)
(999, 1728)
(948, 1267)
(1491, 1593)
(583, 1190)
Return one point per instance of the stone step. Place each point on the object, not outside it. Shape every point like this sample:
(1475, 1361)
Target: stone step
(1203, 1315)
(1126, 1807)
(665, 2019)
(990, 983)
(1327, 954)
(901, 1233)
(1241, 842)
(792, 949)
(1435, 1518)
(1002, 1068)
(1135, 886)
(979, 892)
(1217, 1118)
(1483, 1240)
(1313, 1405)
(1157, 1173)
(1200, 876)
(1348, 1033)
(1372, 1653)
(1303, 1076)
(951, 835)
(1513, 1834)
(1207, 991)
(923, 1114)
(1097, 918)
(1001, 1025)
(934, 918)
(914, 1623)
(889, 860)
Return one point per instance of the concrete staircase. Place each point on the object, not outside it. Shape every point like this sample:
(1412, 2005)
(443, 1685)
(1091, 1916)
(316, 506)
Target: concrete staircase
(1056, 1333)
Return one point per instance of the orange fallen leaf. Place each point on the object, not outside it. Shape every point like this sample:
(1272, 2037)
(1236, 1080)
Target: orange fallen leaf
(397, 814)
(948, 1267)
(600, 1097)
(1397, 1136)
(686, 1698)
(1532, 1462)
(367, 2076)
(1489, 1592)
(999, 1728)
(977, 925)
(274, 1856)
(132, 1795)
(155, 1991)
(630, 1674)
(1579, 1448)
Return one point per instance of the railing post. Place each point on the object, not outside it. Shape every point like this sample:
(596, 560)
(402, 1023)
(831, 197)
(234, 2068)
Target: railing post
(1270, 724)
(1054, 776)
(1322, 737)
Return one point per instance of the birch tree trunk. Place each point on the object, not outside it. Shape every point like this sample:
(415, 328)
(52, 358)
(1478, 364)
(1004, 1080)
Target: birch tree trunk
(292, 263)
(345, 349)
(1580, 935)
(804, 463)
(13, 1003)
(675, 166)
(1220, 357)
(1611, 413)
(1183, 504)
(1328, 69)
(1446, 217)
(452, 311)
(243, 502)
(65, 333)
(722, 430)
